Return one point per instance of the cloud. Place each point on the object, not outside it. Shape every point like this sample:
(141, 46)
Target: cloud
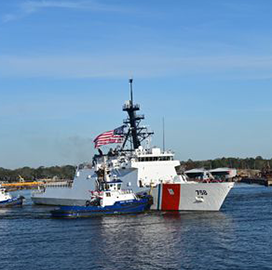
(27, 8)
(33, 6)
(9, 17)
(122, 65)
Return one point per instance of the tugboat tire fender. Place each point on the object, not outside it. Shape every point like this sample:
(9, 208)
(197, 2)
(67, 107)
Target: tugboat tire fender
(88, 203)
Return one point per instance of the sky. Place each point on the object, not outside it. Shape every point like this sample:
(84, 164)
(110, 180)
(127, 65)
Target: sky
(205, 66)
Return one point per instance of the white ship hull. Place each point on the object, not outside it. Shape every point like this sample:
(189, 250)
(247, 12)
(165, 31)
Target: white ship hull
(190, 196)
(58, 201)
(76, 194)
(187, 196)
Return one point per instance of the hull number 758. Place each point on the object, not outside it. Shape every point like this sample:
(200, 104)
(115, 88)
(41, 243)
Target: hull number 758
(201, 192)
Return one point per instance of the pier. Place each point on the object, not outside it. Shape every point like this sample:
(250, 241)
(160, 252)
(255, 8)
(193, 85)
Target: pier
(22, 185)
(259, 181)
(36, 184)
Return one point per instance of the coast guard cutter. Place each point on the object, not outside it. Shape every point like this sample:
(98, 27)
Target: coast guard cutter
(141, 168)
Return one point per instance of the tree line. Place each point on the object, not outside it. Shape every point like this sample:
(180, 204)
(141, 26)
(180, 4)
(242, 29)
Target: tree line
(68, 171)
(257, 163)
(31, 174)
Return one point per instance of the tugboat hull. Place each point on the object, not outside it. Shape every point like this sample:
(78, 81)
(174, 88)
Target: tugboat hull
(12, 202)
(137, 206)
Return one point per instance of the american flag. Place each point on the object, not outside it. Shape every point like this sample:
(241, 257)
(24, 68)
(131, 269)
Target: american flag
(113, 136)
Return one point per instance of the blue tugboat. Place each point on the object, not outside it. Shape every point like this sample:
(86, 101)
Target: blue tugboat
(6, 200)
(109, 200)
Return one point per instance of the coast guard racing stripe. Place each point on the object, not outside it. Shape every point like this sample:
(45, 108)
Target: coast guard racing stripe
(170, 197)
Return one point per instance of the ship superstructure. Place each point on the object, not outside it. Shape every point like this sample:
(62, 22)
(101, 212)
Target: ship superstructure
(141, 168)
(137, 166)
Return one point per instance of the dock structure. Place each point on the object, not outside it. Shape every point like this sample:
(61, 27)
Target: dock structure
(22, 184)
(256, 180)
(36, 184)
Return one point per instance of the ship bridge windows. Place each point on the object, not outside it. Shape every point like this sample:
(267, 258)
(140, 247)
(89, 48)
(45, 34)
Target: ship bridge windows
(159, 158)
(112, 186)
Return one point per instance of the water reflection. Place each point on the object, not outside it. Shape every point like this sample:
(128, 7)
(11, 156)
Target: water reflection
(236, 238)
(3, 211)
(161, 239)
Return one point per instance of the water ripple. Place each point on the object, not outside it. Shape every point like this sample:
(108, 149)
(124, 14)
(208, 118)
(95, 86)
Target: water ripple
(238, 237)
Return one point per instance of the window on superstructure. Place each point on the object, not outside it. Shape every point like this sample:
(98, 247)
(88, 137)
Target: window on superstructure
(148, 159)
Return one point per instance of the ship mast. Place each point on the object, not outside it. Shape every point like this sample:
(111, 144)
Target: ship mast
(136, 134)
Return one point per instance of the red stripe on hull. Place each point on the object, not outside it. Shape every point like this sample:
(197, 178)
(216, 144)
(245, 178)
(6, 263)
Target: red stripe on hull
(170, 197)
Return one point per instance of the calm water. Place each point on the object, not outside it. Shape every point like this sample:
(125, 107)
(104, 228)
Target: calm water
(238, 237)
